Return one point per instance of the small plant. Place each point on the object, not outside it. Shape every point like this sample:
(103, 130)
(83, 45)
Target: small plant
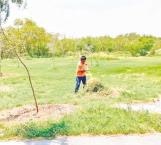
(94, 85)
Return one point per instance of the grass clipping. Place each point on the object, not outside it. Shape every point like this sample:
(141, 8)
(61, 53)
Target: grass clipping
(94, 85)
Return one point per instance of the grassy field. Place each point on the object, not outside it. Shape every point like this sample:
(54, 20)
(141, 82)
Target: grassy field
(133, 80)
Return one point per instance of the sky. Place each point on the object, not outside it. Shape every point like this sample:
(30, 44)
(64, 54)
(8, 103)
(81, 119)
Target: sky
(79, 18)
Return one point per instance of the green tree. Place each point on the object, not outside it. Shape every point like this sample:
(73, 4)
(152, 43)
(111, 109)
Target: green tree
(156, 49)
(36, 39)
(27, 38)
(4, 14)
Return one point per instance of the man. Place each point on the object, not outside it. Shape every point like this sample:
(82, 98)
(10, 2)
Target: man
(81, 73)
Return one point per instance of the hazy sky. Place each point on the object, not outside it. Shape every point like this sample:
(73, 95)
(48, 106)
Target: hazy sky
(76, 18)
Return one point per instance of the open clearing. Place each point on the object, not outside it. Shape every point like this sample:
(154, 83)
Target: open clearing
(127, 80)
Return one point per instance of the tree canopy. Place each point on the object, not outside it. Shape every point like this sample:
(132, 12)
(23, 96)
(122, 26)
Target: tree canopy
(30, 39)
(27, 38)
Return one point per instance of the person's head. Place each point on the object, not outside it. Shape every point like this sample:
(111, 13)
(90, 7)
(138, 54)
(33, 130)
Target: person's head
(83, 59)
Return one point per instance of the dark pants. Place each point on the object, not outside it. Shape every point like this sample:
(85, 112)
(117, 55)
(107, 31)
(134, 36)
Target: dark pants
(78, 82)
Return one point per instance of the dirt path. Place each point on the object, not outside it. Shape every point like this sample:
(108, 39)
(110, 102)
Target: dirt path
(149, 139)
(153, 107)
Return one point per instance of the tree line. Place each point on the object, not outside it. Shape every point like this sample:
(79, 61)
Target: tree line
(31, 40)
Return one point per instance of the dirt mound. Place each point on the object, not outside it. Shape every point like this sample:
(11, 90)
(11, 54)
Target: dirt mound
(28, 112)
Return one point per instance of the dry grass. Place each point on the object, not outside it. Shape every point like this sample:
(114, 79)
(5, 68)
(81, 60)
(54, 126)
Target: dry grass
(94, 85)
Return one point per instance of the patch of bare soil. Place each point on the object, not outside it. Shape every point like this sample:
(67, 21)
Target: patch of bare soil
(4, 88)
(154, 107)
(7, 75)
(28, 112)
(116, 92)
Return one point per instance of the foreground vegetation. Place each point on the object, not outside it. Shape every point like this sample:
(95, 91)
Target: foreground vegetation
(130, 80)
(95, 119)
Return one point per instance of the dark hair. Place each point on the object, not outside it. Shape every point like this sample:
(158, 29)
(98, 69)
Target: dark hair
(83, 58)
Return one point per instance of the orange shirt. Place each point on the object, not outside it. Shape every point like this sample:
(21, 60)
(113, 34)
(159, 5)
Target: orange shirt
(81, 69)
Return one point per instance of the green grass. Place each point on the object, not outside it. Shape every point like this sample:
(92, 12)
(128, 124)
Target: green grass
(95, 119)
(101, 119)
(139, 80)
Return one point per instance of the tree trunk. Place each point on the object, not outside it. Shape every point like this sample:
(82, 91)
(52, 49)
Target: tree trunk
(26, 68)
